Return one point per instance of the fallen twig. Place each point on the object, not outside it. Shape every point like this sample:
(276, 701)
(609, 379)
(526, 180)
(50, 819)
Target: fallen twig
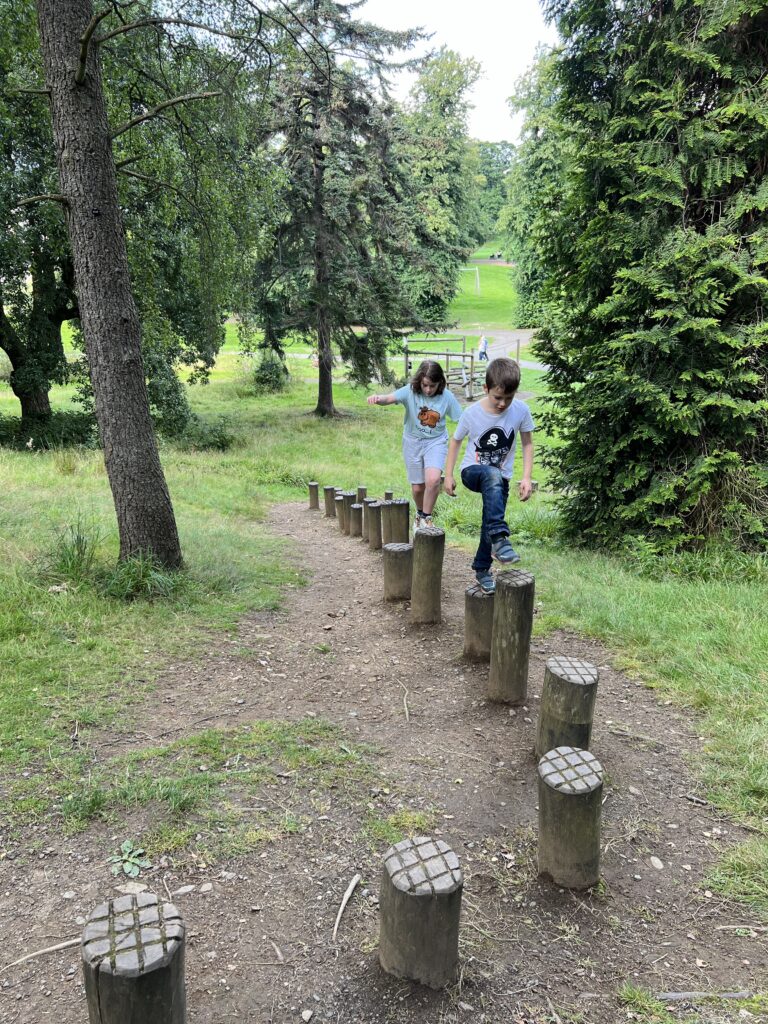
(405, 702)
(39, 952)
(741, 927)
(671, 997)
(344, 901)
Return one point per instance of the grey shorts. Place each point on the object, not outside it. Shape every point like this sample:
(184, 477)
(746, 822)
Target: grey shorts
(422, 453)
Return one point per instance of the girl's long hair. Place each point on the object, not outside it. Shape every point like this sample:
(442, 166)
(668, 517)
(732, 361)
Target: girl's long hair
(432, 371)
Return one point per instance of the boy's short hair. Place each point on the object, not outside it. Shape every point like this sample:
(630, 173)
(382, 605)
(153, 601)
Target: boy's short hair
(504, 374)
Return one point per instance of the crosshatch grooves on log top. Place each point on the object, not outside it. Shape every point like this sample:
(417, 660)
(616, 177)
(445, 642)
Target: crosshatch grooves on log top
(573, 670)
(570, 770)
(132, 935)
(423, 866)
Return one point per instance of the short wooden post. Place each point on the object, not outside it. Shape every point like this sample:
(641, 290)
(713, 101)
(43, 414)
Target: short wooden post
(400, 519)
(349, 497)
(398, 571)
(570, 804)
(420, 907)
(511, 637)
(355, 520)
(389, 495)
(133, 962)
(478, 624)
(374, 526)
(329, 496)
(339, 503)
(428, 551)
(567, 704)
(367, 502)
(386, 521)
(361, 493)
(314, 494)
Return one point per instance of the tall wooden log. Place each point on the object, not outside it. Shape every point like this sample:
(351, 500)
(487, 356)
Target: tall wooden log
(133, 962)
(314, 495)
(398, 571)
(361, 493)
(511, 638)
(355, 520)
(570, 805)
(329, 496)
(339, 503)
(374, 526)
(349, 500)
(400, 519)
(389, 495)
(366, 503)
(386, 522)
(428, 552)
(567, 704)
(478, 624)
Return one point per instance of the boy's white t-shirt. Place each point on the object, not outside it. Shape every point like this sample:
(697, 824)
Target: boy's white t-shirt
(491, 437)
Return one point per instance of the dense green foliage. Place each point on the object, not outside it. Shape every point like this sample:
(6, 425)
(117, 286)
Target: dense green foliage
(638, 207)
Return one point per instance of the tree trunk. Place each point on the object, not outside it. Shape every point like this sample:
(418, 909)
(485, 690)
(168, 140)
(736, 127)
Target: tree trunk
(35, 405)
(108, 314)
(325, 406)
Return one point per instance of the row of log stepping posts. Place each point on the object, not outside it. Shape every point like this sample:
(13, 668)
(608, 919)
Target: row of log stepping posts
(133, 946)
(421, 878)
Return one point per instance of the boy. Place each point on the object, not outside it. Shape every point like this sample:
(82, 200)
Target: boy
(492, 426)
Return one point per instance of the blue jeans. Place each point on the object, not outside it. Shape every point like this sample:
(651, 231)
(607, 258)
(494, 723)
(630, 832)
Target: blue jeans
(488, 481)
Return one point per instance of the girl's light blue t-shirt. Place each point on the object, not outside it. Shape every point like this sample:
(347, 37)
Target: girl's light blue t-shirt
(418, 406)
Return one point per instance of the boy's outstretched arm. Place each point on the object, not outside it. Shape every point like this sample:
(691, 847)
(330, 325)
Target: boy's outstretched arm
(382, 399)
(453, 453)
(525, 487)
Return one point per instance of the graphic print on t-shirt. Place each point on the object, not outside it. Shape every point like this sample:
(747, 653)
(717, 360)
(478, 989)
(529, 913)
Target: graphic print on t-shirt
(428, 417)
(492, 447)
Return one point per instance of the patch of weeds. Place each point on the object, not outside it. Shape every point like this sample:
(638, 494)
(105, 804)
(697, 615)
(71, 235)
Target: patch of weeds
(142, 576)
(73, 558)
(395, 827)
(271, 470)
(130, 860)
(200, 435)
(323, 648)
(82, 806)
(742, 874)
(644, 1008)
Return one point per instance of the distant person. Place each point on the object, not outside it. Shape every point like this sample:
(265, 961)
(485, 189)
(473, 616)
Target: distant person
(482, 349)
(491, 427)
(427, 402)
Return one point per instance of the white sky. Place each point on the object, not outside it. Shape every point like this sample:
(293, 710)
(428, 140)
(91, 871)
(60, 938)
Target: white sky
(501, 34)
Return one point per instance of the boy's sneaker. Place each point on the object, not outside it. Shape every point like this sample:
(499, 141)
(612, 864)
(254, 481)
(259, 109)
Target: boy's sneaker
(486, 581)
(503, 551)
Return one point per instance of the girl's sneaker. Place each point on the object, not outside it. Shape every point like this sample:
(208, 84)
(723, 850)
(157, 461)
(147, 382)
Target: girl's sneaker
(486, 581)
(418, 522)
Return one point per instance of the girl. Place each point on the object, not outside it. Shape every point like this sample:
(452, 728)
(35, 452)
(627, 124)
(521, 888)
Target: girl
(425, 434)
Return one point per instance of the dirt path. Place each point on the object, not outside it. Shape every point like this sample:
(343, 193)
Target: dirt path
(260, 946)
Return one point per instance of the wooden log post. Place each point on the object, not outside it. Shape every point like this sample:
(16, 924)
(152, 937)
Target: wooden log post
(314, 495)
(329, 496)
(478, 624)
(361, 493)
(349, 498)
(367, 502)
(400, 518)
(428, 552)
(355, 520)
(133, 962)
(374, 526)
(339, 503)
(420, 907)
(389, 495)
(567, 704)
(398, 571)
(386, 521)
(570, 805)
(511, 636)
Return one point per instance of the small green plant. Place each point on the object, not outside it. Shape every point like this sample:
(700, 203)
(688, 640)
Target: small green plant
(269, 375)
(129, 861)
(74, 556)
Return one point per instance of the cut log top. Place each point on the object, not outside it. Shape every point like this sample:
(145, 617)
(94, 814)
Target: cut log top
(132, 935)
(397, 547)
(428, 531)
(423, 867)
(573, 670)
(514, 578)
(571, 771)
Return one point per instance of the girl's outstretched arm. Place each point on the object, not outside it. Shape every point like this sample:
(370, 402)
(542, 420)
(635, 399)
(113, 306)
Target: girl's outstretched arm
(382, 399)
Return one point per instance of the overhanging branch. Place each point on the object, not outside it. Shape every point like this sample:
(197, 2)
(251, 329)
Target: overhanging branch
(143, 22)
(52, 197)
(163, 106)
(85, 40)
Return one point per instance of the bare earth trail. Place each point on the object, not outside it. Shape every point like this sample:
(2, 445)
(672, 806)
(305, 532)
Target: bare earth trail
(260, 946)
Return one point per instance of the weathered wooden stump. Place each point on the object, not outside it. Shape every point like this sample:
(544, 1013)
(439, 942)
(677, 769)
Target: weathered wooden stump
(339, 503)
(420, 907)
(366, 503)
(478, 624)
(428, 551)
(570, 803)
(349, 500)
(133, 962)
(389, 495)
(386, 521)
(355, 520)
(398, 571)
(374, 526)
(329, 496)
(400, 519)
(361, 493)
(511, 637)
(567, 704)
(314, 494)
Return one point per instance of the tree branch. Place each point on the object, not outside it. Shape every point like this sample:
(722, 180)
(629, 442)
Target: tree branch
(160, 107)
(85, 40)
(49, 196)
(142, 22)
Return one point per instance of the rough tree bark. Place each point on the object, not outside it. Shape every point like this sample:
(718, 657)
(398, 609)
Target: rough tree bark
(108, 313)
